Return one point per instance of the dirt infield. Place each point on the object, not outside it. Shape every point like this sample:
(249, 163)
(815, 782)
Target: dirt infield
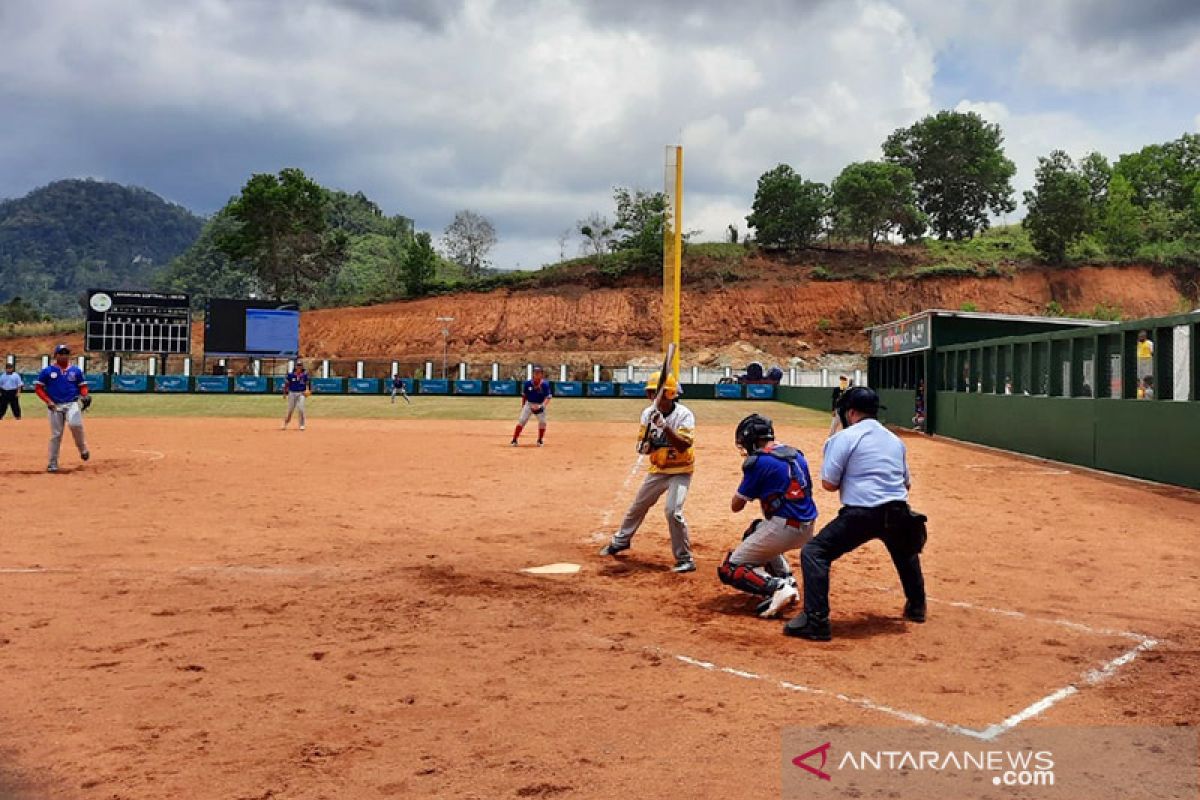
(216, 608)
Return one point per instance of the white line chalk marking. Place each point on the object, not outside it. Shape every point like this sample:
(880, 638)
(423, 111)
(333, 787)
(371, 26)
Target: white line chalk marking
(1026, 470)
(155, 455)
(1093, 677)
(606, 519)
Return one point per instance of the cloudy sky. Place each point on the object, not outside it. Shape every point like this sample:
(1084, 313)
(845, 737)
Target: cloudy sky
(530, 112)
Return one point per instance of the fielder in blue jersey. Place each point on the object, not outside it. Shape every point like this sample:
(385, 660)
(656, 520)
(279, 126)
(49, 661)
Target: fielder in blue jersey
(296, 386)
(777, 476)
(535, 399)
(63, 388)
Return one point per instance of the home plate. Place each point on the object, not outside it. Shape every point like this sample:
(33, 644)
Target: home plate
(553, 569)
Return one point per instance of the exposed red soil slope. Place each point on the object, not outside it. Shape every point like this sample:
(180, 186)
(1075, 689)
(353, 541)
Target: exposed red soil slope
(770, 306)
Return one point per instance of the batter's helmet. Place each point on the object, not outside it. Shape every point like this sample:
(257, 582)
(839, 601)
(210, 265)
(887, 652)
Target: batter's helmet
(751, 430)
(670, 388)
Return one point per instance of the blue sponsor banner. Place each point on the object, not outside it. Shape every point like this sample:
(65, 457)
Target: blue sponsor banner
(171, 383)
(633, 389)
(761, 391)
(30, 378)
(728, 391)
(468, 387)
(435, 386)
(129, 383)
(567, 389)
(503, 387)
(249, 383)
(277, 383)
(214, 384)
(326, 385)
(362, 386)
(601, 389)
(96, 381)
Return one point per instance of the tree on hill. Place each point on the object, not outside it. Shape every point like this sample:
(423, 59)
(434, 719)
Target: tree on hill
(283, 233)
(597, 234)
(1059, 207)
(640, 221)
(960, 171)
(1120, 223)
(788, 212)
(205, 270)
(419, 265)
(64, 238)
(468, 239)
(872, 199)
(1166, 173)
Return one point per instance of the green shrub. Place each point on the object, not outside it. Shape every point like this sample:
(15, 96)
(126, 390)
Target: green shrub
(934, 270)
(1054, 309)
(968, 307)
(821, 274)
(824, 324)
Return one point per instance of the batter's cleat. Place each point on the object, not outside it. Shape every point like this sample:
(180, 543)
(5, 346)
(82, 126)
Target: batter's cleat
(782, 597)
(52, 468)
(301, 427)
(687, 565)
(541, 443)
(813, 627)
(513, 443)
(914, 613)
(85, 455)
(612, 548)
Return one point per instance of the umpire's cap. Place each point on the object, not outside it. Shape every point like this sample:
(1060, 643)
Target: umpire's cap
(61, 348)
(860, 398)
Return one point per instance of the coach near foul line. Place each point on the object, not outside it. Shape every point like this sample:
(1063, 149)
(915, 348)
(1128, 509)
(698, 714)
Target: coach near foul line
(866, 463)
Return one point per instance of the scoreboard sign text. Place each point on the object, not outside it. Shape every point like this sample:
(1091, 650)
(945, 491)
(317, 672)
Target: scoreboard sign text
(901, 337)
(138, 322)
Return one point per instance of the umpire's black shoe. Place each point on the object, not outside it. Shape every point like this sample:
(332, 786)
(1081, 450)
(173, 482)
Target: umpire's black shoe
(612, 548)
(914, 613)
(809, 626)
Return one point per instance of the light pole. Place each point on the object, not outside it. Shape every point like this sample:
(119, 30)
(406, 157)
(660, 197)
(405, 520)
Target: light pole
(445, 341)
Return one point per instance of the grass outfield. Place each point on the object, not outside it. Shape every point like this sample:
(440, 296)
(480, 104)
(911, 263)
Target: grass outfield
(431, 407)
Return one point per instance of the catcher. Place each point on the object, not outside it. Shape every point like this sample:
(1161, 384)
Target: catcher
(667, 434)
(296, 386)
(63, 388)
(777, 476)
(535, 399)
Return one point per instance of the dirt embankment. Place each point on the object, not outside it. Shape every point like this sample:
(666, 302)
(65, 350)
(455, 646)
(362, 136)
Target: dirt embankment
(766, 310)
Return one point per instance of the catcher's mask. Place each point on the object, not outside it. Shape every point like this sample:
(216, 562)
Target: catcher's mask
(752, 430)
(859, 398)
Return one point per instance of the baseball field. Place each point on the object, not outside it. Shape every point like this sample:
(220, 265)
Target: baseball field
(213, 607)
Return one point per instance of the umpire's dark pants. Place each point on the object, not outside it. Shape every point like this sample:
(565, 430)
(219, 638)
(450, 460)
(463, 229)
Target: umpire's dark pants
(853, 527)
(10, 397)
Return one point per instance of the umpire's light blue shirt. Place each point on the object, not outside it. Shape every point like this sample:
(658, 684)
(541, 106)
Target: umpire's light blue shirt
(867, 462)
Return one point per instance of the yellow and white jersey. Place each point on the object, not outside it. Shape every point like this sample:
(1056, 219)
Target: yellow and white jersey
(665, 459)
(1145, 349)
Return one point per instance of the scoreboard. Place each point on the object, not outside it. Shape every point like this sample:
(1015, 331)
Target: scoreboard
(138, 322)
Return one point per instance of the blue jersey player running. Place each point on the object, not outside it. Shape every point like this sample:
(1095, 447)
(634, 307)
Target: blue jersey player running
(62, 387)
(535, 399)
(777, 476)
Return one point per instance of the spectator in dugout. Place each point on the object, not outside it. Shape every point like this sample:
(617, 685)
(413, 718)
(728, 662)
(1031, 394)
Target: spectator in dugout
(1145, 354)
(1146, 388)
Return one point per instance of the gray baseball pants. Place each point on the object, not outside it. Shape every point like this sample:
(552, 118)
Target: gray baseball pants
(295, 401)
(676, 488)
(71, 416)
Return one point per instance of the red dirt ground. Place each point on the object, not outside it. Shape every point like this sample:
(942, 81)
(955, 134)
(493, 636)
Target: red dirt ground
(231, 611)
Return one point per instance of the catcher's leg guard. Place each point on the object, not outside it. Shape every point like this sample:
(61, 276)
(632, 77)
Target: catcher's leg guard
(745, 578)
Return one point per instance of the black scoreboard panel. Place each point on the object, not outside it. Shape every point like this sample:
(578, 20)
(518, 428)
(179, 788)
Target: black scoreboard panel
(138, 322)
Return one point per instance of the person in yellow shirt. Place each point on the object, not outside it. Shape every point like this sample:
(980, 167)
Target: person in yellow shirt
(1145, 355)
(667, 434)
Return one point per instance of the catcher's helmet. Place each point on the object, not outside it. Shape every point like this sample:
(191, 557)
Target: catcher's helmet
(859, 398)
(751, 430)
(670, 388)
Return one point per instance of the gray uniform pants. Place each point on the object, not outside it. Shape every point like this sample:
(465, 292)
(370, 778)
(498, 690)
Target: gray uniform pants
(655, 485)
(69, 415)
(295, 403)
(766, 549)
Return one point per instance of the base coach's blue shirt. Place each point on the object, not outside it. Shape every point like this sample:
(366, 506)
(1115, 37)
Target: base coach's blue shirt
(868, 463)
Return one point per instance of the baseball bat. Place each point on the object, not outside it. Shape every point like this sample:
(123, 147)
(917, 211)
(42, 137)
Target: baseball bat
(662, 384)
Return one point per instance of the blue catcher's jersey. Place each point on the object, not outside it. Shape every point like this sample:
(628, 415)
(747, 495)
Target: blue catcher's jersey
(536, 394)
(782, 483)
(61, 384)
(297, 381)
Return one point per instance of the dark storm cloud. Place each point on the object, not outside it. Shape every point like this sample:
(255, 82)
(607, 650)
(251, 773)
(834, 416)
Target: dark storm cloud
(431, 14)
(1148, 23)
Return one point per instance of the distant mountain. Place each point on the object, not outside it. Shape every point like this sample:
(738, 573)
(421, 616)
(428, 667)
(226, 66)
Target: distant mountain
(61, 239)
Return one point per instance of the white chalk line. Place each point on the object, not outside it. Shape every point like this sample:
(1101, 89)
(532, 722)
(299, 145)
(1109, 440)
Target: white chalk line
(1092, 677)
(606, 518)
(1027, 470)
(155, 455)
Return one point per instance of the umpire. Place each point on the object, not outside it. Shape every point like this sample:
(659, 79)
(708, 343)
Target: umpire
(865, 463)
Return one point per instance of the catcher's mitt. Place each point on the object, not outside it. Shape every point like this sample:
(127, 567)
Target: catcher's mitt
(85, 402)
